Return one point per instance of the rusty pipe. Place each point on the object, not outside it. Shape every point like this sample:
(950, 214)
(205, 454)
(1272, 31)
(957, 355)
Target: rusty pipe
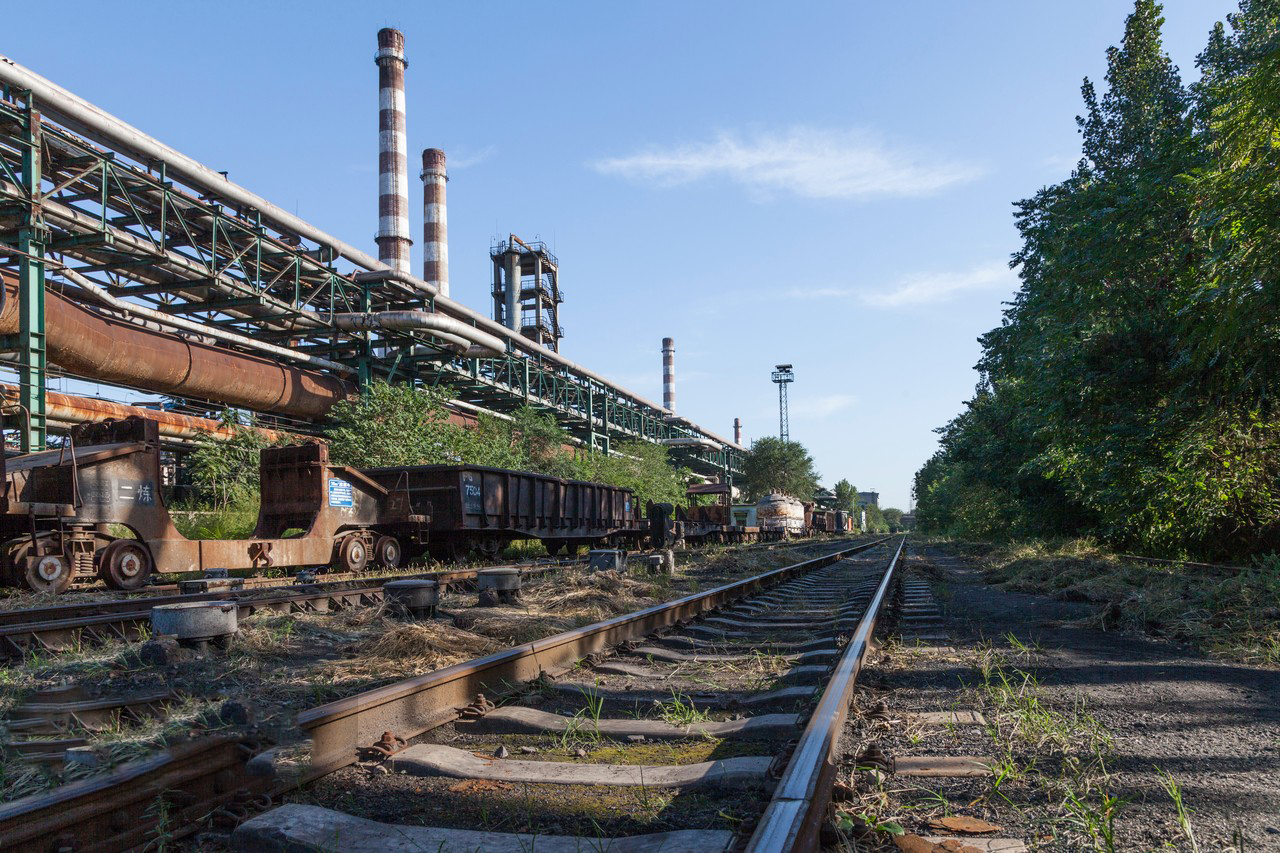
(203, 329)
(69, 410)
(87, 343)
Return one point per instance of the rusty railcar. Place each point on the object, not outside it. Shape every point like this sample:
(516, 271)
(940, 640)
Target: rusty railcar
(479, 509)
(714, 523)
(67, 509)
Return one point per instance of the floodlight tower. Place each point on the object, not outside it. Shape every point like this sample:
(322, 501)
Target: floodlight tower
(783, 376)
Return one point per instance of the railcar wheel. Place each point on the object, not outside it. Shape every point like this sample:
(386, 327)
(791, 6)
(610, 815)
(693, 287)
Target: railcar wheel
(49, 573)
(125, 564)
(386, 552)
(353, 554)
(489, 548)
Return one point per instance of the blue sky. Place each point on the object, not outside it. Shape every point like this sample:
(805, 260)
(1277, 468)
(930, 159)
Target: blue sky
(828, 185)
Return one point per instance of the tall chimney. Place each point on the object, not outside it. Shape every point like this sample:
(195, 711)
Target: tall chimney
(669, 374)
(435, 221)
(737, 431)
(393, 164)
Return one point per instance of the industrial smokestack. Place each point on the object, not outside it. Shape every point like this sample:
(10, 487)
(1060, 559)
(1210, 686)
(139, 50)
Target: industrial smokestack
(435, 221)
(737, 431)
(669, 373)
(393, 163)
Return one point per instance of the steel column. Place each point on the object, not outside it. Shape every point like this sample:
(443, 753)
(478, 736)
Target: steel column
(32, 365)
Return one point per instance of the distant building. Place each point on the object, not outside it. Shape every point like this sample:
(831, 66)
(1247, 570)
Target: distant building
(869, 499)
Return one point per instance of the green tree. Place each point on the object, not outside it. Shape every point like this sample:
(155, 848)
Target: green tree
(876, 522)
(846, 496)
(1129, 392)
(781, 466)
(892, 517)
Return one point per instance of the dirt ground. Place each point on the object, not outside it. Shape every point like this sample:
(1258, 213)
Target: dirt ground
(1122, 712)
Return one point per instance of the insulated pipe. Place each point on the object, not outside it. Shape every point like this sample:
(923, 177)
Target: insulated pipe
(90, 121)
(403, 321)
(435, 222)
(669, 374)
(91, 344)
(393, 153)
(207, 331)
(703, 443)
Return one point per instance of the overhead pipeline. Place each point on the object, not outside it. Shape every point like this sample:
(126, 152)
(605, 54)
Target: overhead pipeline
(88, 343)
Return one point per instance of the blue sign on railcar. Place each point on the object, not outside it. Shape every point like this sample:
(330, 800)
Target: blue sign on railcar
(339, 492)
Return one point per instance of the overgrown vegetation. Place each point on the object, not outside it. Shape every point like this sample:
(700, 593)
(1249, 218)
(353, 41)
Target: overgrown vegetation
(406, 425)
(1130, 392)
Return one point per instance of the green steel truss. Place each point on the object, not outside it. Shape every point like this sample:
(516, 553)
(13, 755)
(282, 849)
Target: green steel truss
(66, 203)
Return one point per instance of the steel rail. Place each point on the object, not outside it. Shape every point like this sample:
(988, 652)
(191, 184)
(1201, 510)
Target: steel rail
(148, 597)
(795, 814)
(170, 792)
(69, 625)
(339, 729)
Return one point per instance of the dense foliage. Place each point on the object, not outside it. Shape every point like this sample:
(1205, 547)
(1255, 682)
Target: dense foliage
(774, 465)
(1130, 391)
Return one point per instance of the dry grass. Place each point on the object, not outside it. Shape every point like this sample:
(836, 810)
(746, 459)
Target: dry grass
(571, 600)
(434, 643)
(1232, 616)
(596, 596)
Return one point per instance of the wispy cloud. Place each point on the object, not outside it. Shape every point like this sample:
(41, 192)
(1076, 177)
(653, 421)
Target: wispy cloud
(923, 288)
(467, 159)
(821, 407)
(806, 161)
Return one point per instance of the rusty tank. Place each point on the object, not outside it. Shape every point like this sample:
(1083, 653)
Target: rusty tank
(781, 515)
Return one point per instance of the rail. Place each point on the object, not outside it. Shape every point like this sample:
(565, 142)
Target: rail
(408, 708)
(70, 626)
(794, 816)
(123, 810)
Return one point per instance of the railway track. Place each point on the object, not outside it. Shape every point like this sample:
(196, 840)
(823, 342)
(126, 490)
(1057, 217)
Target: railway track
(71, 627)
(797, 616)
(793, 620)
(68, 627)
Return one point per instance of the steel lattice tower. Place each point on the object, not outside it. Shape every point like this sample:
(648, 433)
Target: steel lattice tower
(783, 376)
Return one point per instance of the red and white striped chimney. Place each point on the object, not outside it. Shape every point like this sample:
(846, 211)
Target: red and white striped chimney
(393, 163)
(669, 374)
(435, 221)
(737, 431)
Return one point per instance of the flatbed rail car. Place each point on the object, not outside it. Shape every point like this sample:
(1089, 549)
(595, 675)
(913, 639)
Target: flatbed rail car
(478, 509)
(63, 505)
